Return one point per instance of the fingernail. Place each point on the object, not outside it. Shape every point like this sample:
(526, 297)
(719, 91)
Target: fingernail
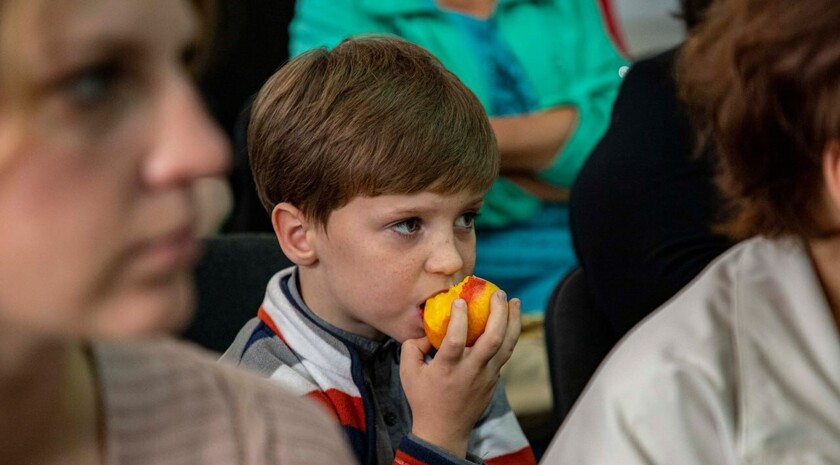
(460, 303)
(501, 295)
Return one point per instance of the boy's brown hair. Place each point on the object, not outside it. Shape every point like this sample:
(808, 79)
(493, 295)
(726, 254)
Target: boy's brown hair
(763, 78)
(373, 116)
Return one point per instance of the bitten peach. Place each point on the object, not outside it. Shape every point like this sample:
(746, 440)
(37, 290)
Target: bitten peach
(476, 292)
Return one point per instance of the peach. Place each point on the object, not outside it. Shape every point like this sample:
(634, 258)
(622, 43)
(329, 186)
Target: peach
(476, 292)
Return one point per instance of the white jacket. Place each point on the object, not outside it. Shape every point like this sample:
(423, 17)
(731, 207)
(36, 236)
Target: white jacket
(741, 367)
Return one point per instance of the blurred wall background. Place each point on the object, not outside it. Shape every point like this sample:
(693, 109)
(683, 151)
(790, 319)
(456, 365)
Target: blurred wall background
(648, 26)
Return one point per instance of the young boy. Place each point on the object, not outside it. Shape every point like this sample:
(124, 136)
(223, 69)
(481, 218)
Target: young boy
(373, 161)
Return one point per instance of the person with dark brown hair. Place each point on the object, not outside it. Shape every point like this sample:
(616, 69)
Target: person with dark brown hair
(742, 365)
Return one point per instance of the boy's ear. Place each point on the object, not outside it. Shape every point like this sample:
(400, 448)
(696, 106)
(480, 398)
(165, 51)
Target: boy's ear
(292, 231)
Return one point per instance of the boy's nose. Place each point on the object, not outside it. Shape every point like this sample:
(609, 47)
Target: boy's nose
(187, 145)
(445, 258)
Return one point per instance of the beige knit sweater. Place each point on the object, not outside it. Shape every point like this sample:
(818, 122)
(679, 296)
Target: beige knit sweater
(169, 403)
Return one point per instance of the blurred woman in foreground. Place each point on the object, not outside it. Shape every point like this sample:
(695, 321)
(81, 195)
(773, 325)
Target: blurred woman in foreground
(743, 365)
(102, 142)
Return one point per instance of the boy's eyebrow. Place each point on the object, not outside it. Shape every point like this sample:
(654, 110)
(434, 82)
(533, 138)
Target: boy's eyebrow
(478, 200)
(474, 202)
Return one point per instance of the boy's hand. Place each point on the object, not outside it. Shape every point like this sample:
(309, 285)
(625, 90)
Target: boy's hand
(448, 395)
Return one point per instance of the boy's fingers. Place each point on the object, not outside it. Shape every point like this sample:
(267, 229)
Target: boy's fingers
(514, 328)
(453, 344)
(414, 351)
(493, 338)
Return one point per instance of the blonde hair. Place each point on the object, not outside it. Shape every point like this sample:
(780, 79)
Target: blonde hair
(16, 95)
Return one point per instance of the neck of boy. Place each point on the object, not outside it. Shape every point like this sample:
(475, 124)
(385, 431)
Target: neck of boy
(48, 401)
(309, 285)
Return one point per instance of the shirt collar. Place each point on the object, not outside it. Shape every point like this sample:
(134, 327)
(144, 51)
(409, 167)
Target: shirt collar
(366, 348)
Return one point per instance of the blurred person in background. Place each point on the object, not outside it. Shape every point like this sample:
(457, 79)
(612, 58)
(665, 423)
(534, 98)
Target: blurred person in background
(103, 142)
(742, 365)
(644, 205)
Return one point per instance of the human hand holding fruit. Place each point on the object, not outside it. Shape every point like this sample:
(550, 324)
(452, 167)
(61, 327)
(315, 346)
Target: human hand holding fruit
(448, 394)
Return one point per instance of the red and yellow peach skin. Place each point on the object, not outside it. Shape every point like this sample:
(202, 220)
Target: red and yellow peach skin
(476, 292)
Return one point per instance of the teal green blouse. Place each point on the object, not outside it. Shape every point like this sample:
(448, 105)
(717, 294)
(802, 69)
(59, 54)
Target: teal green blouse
(561, 45)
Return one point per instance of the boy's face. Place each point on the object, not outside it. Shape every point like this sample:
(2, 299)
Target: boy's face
(380, 258)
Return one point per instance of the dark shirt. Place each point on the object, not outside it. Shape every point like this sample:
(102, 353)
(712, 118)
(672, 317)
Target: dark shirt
(643, 207)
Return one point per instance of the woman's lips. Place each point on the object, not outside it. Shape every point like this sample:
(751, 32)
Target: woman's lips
(171, 251)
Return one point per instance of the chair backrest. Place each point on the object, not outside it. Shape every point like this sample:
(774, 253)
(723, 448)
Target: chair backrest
(231, 279)
(577, 337)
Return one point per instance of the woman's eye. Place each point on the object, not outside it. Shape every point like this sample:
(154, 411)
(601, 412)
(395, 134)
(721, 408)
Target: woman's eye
(93, 85)
(467, 220)
(407, 227)
(189, 55)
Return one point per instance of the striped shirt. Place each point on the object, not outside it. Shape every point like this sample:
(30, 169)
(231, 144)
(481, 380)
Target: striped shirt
(358, 381)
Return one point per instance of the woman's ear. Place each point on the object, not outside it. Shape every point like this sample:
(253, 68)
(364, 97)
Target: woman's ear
(292, 230)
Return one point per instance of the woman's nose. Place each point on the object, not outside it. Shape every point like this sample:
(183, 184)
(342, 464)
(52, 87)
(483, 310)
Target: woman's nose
(187, 144)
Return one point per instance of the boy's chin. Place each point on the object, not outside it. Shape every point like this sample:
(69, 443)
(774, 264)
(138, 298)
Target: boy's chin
(410, 336)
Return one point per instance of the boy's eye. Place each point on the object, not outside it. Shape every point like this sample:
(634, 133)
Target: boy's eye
(407, 227)
(467, 220)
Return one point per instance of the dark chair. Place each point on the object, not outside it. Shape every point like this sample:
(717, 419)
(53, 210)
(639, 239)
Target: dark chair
(577, 337)
(231, 279)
